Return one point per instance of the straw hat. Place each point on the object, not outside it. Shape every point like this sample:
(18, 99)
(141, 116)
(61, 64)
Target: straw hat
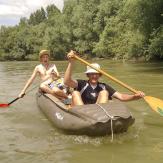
(44, 52)
(91, 70)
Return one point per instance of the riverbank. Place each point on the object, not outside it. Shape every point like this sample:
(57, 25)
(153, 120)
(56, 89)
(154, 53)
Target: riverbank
(140, 59)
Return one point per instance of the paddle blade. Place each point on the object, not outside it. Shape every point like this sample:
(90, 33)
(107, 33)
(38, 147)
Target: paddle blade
(4, 105)
(155, 103)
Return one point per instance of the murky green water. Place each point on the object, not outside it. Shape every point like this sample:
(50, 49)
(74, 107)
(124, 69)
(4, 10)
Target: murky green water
(27, 136)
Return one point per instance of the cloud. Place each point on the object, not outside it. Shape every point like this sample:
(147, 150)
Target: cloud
(13, 10)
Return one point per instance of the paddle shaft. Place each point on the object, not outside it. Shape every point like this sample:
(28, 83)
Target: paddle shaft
(14, 100)
(106, 74)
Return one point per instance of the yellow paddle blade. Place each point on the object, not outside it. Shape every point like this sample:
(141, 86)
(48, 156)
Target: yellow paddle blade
(155, 103)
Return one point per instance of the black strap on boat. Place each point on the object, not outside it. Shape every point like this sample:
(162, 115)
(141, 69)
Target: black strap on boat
(111, 118)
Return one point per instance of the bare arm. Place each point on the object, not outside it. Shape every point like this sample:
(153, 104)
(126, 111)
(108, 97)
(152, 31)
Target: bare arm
(29, 82)
(68, 74)
(127, 97)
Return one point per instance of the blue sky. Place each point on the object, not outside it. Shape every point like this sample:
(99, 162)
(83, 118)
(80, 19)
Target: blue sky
(12, 10)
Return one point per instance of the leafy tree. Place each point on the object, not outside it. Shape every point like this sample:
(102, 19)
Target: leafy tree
(83, 19)
(156, 44)
(37, 17)
(97, 28)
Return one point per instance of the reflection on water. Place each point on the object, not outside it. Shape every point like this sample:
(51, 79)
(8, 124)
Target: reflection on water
(27, 136)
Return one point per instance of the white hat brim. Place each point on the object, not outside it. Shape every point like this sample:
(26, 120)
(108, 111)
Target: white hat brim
(91, 71)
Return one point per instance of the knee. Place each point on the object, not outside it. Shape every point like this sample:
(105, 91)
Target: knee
(75, 93)
(104, 93)
(42, 86)
(76, 98)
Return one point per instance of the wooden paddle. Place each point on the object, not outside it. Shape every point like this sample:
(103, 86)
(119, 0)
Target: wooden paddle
(155, 103)
(14, 100)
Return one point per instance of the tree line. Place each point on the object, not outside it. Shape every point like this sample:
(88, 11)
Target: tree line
(116, 29)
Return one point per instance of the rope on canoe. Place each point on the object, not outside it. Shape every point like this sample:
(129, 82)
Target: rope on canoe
(111, 119)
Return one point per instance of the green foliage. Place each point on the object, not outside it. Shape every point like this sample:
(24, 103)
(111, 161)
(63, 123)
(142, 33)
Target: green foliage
(146, 15)
(82, 20)
(52, 11)
(37, 17)
(118, 29)
(156, 43)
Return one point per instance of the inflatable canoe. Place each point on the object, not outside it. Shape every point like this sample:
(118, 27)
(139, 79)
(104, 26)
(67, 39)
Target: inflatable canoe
(92, 119)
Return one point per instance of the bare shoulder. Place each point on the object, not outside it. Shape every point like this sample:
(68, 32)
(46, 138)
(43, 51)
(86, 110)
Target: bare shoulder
(38, 68)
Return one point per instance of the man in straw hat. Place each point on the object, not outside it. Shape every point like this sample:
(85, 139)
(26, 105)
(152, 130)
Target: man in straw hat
(48, 73)
(92, 91)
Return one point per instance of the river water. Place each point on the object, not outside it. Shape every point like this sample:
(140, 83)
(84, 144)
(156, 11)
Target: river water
(27, 136)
